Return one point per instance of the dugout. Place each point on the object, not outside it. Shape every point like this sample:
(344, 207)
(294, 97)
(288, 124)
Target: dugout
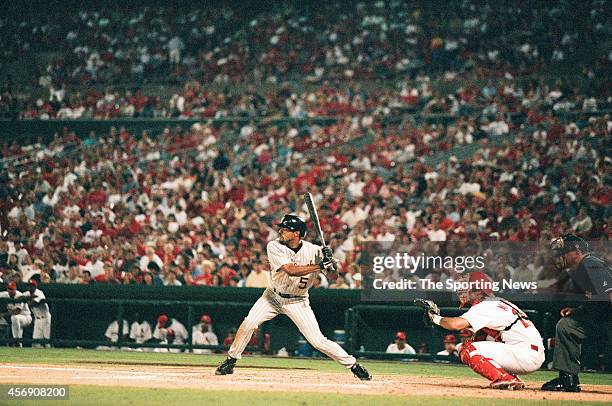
(81, 314)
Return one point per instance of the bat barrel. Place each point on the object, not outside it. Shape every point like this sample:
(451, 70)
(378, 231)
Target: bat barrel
(314, 216)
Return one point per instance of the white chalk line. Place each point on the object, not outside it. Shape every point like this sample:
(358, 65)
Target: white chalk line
(161, 376)
(115, 377)
(37, 368)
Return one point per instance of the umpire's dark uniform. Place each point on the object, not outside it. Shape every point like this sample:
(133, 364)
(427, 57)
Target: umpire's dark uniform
(593, 279)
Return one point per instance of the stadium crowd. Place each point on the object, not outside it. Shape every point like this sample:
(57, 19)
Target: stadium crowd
(195, 206)
(196, 101)
(322, 44)
(363, 40)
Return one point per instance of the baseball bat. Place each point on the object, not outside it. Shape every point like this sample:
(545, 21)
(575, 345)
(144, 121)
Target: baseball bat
(312, 210)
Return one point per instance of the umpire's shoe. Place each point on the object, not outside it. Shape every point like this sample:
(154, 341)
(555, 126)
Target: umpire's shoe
(227, 367)
(360, 372)
(566, 382)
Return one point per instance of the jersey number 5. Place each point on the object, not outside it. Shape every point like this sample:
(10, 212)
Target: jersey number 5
(303, 282)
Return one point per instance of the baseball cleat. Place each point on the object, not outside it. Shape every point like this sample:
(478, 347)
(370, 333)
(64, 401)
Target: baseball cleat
(510, 382)
(227, 367)
(566, 382)
(360, 372)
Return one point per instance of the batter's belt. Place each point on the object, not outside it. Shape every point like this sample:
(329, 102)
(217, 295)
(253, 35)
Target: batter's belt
(287, 296)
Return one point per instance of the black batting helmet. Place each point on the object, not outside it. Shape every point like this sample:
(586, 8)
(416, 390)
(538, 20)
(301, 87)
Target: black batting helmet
(564, 244)
(294, 223)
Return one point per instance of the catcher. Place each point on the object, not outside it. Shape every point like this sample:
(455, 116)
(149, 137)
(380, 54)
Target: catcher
(505, 342)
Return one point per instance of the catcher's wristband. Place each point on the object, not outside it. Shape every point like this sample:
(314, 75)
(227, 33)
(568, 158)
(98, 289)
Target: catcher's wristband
(436, 319)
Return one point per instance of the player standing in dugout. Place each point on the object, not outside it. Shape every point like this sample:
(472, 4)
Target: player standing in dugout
(294, 264)
(589, 276)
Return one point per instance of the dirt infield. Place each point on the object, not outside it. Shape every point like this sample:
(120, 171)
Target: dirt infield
(288, 380)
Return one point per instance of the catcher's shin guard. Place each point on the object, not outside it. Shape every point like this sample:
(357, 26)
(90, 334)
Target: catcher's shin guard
(488, 368)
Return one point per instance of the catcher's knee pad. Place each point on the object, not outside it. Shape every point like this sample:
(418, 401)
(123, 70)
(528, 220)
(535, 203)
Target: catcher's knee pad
(464, 352)
(480, 364)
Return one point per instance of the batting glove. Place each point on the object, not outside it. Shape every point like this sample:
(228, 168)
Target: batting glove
(328, 264)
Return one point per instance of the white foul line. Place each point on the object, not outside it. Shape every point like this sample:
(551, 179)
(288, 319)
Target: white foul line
(141, 375)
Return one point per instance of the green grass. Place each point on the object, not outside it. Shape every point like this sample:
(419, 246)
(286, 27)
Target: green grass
(96, 396)
(66, 356)
(103, 395)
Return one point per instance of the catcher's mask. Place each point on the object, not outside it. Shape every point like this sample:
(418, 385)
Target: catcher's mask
(478, 284)
(564, 244)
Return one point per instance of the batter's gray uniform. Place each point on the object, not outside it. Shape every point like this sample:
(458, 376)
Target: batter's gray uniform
(289, 295)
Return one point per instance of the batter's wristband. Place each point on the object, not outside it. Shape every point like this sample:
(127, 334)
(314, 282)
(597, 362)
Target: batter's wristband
(436, 319)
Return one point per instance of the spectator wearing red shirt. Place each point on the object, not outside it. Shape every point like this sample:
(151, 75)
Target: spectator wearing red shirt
(226, 272)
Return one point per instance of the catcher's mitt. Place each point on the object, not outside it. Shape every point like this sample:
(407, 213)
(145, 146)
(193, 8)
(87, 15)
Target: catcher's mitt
(430, 309)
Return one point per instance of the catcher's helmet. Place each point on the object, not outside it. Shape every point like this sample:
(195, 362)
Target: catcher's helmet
(564, 244)
(475, 282)
(294, 223)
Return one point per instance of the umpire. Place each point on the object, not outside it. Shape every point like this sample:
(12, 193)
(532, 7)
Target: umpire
(590, 277)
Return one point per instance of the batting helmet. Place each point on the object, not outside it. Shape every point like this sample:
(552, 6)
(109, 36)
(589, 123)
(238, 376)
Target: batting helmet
(293, 222)
(206, 319)
(564, 244)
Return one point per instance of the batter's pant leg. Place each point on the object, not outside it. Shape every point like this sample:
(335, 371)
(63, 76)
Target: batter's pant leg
(18, 323)
(568, 345)
(515, 359)
(302, 315)
(263, 310)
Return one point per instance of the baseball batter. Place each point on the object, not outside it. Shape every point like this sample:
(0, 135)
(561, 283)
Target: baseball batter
(18, 311)
(40, 312)
(294, 264)
(505, 342)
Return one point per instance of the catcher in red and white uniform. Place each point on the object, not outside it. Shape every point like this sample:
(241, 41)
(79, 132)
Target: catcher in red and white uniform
(505, 343)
